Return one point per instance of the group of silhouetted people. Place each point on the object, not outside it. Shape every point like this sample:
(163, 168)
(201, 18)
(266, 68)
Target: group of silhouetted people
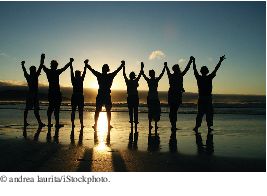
(105, 80)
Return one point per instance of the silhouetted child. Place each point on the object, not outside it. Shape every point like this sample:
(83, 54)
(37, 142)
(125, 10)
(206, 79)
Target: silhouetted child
(133, 98)
(32, 99)
(54, 94)
(77, 98)
(105, 81)
(176, 90)
(204, 82)
(153, 102)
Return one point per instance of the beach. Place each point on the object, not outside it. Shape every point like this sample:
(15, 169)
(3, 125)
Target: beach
(236, 144)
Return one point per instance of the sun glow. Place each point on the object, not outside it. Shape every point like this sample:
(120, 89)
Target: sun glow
(102, 131)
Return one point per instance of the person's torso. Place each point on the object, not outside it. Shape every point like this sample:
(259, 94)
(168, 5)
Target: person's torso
(153, 88)
(105, 83)
(32, 81)
(176, 83)
(204, 85)
(53, 79)
(132, 86)
(77, 84)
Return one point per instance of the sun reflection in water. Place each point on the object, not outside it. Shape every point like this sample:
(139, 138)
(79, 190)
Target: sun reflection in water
(102, 131)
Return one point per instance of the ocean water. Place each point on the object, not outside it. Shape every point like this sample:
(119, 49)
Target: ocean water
(238, 132)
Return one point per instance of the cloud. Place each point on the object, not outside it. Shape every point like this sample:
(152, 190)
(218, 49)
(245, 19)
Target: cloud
(181, 61)
(157, 54)
(4, 54)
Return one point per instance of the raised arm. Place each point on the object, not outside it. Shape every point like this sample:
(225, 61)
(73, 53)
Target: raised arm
(195, 68)
(71, 73)
(84, 72)
(167, 69)
(144, 75)
(141, 71)
(24, 69)
(187, 66)
(96, 73)
(41, 64)
(119, 68)
(162, 73)
(124, 74)
(218, 66)
(66, 66)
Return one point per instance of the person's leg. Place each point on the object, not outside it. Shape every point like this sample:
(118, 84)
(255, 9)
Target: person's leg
(57, 109)
(37, 116)
(108, 106)
(209, 115)
(73, 110)
(136, 116)
(25, 117)
(49, 114)
(80, 108)
(200, 114)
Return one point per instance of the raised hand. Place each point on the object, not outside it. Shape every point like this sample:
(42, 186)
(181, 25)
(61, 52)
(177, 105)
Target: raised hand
(22, 63)
(71, 60)
(142, 64)
(165, 63)
(43, 56)
(86, 61)
(122, 62)
(222, 58)
(192, 58)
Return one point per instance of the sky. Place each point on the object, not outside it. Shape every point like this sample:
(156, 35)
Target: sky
(152, 32)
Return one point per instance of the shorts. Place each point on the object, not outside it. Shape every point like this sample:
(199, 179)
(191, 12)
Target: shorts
(54, 99)
(174, 98)
(103, 100)
(154, 109)
(77, 100)
(205, 105)
(133, 102)
(32, 101)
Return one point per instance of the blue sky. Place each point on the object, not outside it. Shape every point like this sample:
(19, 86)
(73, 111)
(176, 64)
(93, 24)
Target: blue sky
(107, 32)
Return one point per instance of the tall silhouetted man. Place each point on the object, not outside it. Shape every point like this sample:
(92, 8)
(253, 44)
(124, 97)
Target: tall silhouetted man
(77, 98)
(32, 100)
(105, 80)
(54, 94)
(176, 90)
(204, 82)
(153, 102)
(133, 98)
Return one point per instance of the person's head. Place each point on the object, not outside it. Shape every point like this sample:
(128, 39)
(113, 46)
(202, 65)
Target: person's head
(132, 75)
(77, 74)
(204, 70)
(105, 68)
(32, 70)
(152, 73)
(176, 68)
(54, 64)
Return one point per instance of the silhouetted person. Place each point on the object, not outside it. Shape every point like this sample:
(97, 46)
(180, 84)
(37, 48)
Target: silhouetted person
(204, 82)
(176, 90)
(133, 98)
(54, 94)
(32, 100)
(153, 102)
(105, 80)
(77, 98)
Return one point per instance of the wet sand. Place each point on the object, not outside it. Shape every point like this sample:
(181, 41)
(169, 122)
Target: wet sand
(31, 156)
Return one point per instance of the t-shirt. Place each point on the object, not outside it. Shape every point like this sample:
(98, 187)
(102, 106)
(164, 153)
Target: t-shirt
(132, 86)
(205, 84)
(105, 83)
(176, 82)
(153, 88)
